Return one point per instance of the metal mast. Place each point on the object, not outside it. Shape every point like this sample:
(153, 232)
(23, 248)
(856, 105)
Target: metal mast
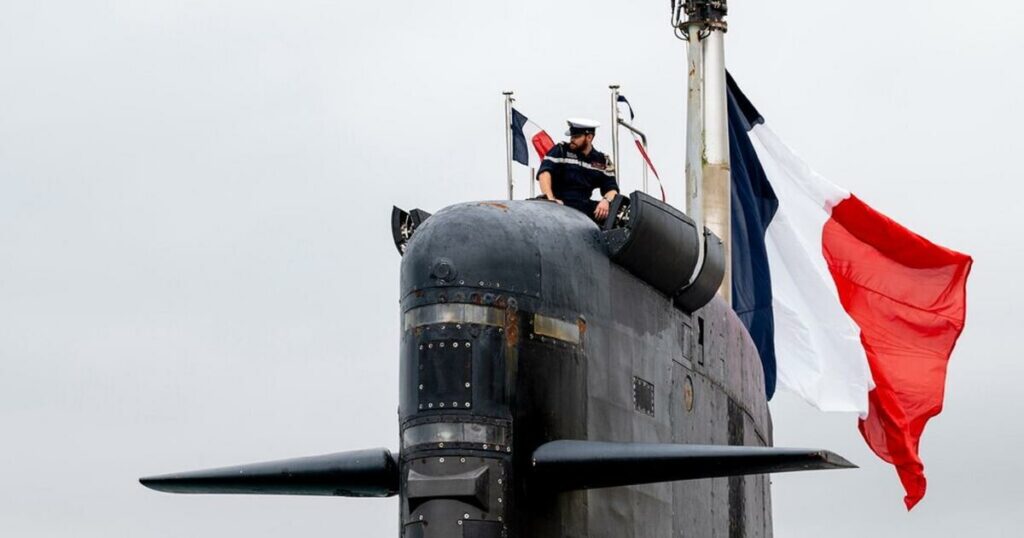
(508, 140)
(702, 24)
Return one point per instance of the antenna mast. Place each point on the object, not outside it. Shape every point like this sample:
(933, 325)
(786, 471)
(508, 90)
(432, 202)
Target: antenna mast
(701, 23)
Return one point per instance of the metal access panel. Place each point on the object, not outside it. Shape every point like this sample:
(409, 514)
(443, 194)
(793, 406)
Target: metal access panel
(446, 374)
(643, 396)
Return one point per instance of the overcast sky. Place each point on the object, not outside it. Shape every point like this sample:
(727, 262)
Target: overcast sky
(195, 258)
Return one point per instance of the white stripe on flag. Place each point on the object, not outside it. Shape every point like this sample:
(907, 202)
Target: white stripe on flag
(820, 356)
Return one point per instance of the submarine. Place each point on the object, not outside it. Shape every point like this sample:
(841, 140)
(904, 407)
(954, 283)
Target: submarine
(559, 378)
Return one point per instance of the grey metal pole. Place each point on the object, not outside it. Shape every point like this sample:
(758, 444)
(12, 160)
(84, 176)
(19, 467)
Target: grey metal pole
(615, 131)
(717, 196)
(695, 130)
(533, 181)
(508, 140)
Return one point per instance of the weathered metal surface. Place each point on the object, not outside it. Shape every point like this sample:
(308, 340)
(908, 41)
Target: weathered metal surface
(553, 390)
(454, 313)
(565, 331)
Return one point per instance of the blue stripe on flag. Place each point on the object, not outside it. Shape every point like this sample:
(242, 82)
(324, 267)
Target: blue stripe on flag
(753, 205)
(520, 153)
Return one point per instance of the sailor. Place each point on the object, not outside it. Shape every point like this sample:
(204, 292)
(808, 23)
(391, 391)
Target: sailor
(572, 170)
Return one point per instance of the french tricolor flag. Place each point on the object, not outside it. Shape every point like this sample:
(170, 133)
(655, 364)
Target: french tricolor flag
(848, 308)
(522, 130)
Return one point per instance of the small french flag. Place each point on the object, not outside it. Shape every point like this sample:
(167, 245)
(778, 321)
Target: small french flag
(847, 308)
(522, 130)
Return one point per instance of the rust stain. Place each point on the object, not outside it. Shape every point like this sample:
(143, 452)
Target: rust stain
(511, 328)
(581, 324)
(420, 293)
(502, 302)
(475, 298)
(498, 205)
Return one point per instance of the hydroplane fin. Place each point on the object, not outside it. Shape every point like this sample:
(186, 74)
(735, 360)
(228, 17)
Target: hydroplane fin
(572, 465)
(361, 473)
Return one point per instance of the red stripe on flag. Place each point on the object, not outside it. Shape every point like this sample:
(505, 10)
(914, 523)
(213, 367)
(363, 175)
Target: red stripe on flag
(908, 296)
(542, 143)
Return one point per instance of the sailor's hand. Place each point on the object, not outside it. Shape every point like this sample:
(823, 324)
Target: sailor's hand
(556, 200)
(602, 209)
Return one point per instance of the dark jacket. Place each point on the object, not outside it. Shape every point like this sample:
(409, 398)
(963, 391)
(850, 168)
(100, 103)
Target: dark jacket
(574, 176)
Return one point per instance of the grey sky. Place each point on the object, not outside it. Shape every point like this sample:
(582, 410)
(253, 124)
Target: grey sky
(196, 266)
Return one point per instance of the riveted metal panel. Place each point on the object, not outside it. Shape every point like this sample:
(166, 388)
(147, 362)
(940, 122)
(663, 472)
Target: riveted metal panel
(446, 374)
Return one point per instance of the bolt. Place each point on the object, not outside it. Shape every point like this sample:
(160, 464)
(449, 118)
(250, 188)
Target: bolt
(441, 460)
(466, 516)
(467, 385)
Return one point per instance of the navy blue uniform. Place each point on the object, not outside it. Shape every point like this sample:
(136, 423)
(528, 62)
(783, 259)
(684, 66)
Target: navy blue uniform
(574, 176)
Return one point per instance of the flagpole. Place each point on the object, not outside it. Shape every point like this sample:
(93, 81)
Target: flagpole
(508, 140)
(615, 131)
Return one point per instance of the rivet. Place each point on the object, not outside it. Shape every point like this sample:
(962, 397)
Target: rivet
(531, 336)
(466, 516)
(430, 346)
(421, 387)
(421, 346)
(442, 343)
(440, 445)
(485, 447)
(461, 282)
(467, 385)
(499, 518)
(421, 517)
(458, 326)
(508, 449)
(467, 404)
(456, 344)
(481, 283)
(467, 344)
(462, 460)
(440, 460)
(440, 404)
(455, 404)
(499, 500)
(499, 481)
(421, 406)
(497, 284)
(460, 522)
(430, 405)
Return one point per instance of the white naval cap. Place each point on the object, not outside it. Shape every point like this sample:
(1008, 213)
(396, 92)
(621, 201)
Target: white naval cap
(581, 126)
